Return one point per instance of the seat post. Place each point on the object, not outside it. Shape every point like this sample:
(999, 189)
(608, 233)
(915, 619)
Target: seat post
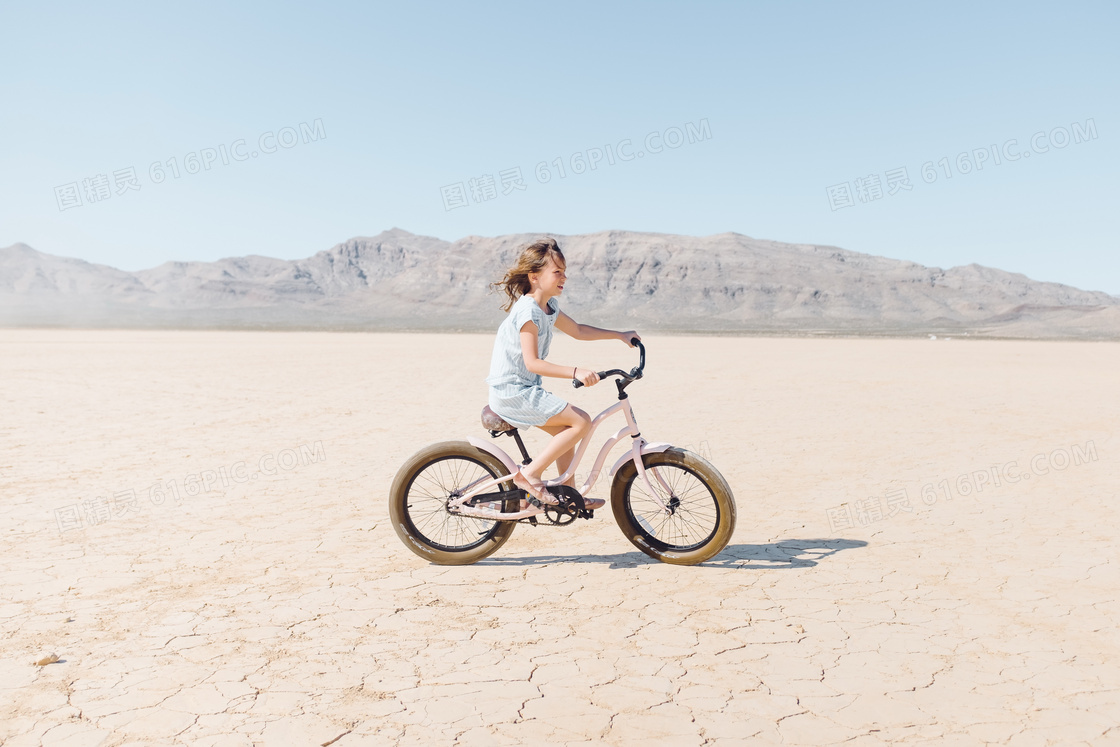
(520, 444)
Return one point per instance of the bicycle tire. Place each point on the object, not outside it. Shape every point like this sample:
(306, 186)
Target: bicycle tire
(671, 539)
(418, 510)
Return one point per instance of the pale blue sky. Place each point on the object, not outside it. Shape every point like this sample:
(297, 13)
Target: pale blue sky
(797, 97)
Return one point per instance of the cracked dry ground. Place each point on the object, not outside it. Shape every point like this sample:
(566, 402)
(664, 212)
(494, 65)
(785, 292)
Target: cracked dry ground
(284, 610)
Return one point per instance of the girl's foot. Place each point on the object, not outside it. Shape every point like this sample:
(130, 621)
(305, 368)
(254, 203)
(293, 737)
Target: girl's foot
(534, 488)
(593, 503)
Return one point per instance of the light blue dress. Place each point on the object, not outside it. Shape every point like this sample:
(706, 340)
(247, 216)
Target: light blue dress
(515, 393)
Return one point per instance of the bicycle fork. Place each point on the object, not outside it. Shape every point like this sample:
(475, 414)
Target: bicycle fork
(636, 451)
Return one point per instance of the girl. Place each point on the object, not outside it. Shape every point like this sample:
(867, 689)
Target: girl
(534, 285)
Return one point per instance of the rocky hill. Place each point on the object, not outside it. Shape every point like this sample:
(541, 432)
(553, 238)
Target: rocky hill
(397, 280)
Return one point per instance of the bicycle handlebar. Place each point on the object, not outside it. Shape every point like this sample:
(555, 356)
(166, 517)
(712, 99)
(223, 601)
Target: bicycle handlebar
(635, 373)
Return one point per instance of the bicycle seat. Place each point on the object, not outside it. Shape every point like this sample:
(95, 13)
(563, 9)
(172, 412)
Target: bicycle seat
(492, 421)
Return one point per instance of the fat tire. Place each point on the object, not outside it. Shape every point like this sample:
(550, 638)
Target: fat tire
(708, 475)
(413, 538)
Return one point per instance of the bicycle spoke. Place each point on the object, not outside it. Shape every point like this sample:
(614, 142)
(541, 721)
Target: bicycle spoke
(427, 503)
(694, 516)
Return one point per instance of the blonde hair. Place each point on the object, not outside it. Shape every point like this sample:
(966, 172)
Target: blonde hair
(533, 258)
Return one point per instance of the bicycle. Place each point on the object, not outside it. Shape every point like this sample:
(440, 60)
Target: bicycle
(454, 502)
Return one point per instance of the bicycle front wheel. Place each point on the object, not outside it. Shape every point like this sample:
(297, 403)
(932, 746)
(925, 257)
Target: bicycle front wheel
(701, 508)
(418, 504)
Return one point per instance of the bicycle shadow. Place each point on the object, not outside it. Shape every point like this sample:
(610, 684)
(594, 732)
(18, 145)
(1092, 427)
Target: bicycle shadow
(783, 554)
(792, 553)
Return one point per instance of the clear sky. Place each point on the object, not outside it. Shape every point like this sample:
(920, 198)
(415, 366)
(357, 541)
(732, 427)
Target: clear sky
(352, 118)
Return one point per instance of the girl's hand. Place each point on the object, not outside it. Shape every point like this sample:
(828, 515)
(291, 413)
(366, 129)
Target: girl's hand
(627, 336)
(587, 376)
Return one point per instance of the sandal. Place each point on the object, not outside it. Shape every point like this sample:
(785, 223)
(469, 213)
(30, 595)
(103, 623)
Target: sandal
(536, 490)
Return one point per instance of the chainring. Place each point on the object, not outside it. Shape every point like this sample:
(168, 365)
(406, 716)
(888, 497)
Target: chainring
(570, 508)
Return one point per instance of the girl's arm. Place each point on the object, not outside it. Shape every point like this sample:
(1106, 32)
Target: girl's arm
(544, 368)
(568, 326)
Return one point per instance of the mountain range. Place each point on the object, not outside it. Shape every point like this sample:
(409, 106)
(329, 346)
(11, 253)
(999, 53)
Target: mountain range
(725, 283)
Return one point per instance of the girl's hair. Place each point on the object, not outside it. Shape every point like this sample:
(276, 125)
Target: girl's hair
(533, 259)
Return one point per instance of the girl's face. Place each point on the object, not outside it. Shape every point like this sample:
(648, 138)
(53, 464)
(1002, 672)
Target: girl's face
(550, 279)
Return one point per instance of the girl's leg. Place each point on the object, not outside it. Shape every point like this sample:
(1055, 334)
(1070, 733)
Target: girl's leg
(571, 424)
(565, 436)
(564, 460)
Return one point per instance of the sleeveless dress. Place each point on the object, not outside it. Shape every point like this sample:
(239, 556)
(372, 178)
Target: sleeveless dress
(515, 393)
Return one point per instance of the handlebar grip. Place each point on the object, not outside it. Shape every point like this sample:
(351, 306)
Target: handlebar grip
(577, 383)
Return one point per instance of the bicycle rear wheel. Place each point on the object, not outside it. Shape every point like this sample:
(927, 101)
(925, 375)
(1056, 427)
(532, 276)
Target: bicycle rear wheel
(701, 516)
(418, 504)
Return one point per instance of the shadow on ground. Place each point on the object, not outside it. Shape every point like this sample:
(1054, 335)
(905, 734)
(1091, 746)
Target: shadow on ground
(791, 553)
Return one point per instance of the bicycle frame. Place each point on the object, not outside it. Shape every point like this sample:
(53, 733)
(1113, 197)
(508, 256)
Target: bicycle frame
(638, 447)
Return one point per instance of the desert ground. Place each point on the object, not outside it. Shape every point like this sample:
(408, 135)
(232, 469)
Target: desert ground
(196, 525)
